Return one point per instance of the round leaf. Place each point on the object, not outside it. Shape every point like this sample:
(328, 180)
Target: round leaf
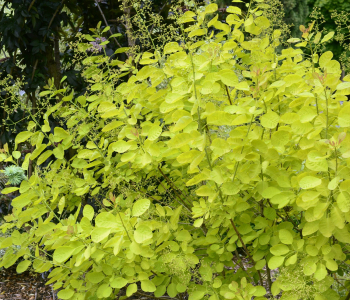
(275, 262)
(148, 286)
(95, 277)
(264, 239)
(142, 233)
(106, 220)
(88, 211)
(99, 233)
(260, 291)
(132, 288)
(279, 249)
(285, 236)
(119, 282)
(270, 120)
(228, 77)
(65, 294)
(104, 291)
(197, 295)
(61, 254)
(140, 207)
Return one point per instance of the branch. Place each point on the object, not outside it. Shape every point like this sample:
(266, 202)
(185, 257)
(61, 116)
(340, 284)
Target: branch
(347, 297)
(246, 250)
(180, 202)
(159, 14)
(54, 15)
(104, 18)
(269, 281)
(31, 5)
(228, 94)
(295, 225)
(172, 184)
(238, 261)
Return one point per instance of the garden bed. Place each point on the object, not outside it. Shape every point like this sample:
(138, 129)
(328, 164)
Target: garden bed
(27, 285)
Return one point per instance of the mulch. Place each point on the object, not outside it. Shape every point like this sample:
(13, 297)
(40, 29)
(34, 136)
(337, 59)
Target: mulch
(26, 286)
(31, 286)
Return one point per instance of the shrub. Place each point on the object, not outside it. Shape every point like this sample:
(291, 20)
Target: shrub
(217, 162)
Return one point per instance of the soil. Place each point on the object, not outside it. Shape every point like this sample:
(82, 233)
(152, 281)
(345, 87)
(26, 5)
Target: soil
(27, 285)
(31, 286)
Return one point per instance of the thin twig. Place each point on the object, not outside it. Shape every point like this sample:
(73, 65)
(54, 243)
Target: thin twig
(295, 225)
(245, 248)
(36, 293)
(228, 94)
(106, 23)
(54, 15)
(238, 261)
(159, 14)
(31, 5)
(241, 240)
(347, 297)
(176, 190)
(269, 281)
(180, 202)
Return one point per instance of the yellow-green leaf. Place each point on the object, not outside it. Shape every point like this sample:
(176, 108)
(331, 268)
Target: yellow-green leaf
(325, 58)
(154, 132)
(65, 294)
(120, 146)
(262, 22)
(119, 282)
(228, 77)
(211, 8)
(131, 289)
(99, 233)
(343, 117)
(275, 262)
(270, 120)
(142, 233)
(140, 207)
(309, 182)
(327, 37)
(234, 10)
(23, 136)
(62, 253)
(112, 125)
(279, 249)
(43, 157)
(285, 236)
(23, 266)
(9, 190)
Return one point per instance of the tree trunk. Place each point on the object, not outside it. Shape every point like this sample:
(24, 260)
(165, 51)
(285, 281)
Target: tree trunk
(51, 64)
